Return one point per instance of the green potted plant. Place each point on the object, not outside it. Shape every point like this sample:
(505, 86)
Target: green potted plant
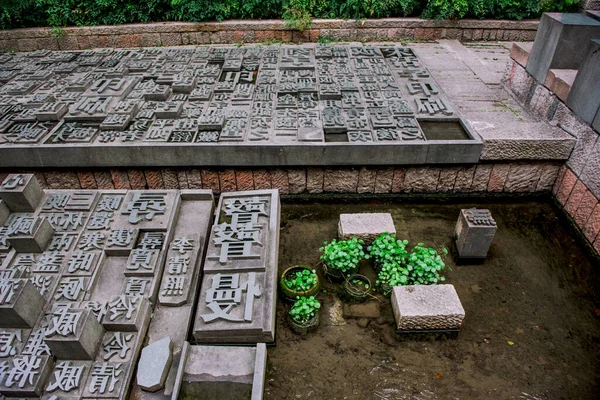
(357, 287)
(304, 315)
(386, 248)
(341, 257)
(299, 280)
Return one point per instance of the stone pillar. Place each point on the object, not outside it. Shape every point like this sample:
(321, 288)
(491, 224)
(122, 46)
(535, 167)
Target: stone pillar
(562, 42)
(474, 233)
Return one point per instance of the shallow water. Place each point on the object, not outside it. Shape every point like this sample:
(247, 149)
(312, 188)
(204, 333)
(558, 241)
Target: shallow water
(536, 290)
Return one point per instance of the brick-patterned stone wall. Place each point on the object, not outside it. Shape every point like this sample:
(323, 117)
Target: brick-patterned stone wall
(182, 33)
(496, 178)
(577, 188)
(580, 203)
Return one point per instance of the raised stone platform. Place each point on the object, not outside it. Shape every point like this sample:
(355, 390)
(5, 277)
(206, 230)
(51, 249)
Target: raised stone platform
(290, 105)
(76, 314)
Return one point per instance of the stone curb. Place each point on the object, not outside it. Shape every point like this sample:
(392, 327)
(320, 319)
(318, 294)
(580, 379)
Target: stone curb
(250, 31)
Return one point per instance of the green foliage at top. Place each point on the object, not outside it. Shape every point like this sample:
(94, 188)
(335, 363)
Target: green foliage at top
(301, 281)
(343, 255)
(298, 13)
(304, 309)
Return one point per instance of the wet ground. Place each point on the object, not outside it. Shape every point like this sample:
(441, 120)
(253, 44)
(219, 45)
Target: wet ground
(536, 290)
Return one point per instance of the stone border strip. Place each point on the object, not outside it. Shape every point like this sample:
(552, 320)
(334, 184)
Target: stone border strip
(253, 31)
(517, 177)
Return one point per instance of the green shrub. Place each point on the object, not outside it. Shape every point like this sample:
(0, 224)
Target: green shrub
(343, 255)
(28, 13)
(423, 266)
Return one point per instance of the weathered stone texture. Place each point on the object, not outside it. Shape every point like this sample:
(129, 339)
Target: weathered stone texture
(262, 179)
(366, 180)
(591, 173)
(104, 180)
(194, 179)
(586, 207)
(566, 186)
(210, 180)
(548, 175)
(447, 179)
(87, 180)
(383, 180)
(154, 179)
(481, 178)
(521, 178)
(244, 180)
(137, 180)
(314, 180)
(421, 179)
(498, 177)
(592, 226)
(398, 180)
(559, 179)
(297, 180)
(120, 179)
(340, 181)
(182, 179)
(227, 180)
(575, 198)
(464, 179)
(170, 179)
(279, 180)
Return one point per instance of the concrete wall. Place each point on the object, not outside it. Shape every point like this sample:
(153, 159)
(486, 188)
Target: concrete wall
(181, 33)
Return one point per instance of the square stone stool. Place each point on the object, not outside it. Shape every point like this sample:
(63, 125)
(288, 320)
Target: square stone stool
(473, 235)
(365, 226)
(427, 309)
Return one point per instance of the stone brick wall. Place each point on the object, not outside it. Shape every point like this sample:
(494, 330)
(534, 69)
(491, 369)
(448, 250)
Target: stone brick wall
(180, 33)
(577, 188)
(493, 178)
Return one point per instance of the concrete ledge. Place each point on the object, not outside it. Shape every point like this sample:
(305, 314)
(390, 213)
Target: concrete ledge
(559, 81)
(520, 52)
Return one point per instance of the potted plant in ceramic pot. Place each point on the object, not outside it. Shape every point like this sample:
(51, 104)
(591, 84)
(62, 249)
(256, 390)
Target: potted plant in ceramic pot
(299, 280)
(304, 315)
(357, 288)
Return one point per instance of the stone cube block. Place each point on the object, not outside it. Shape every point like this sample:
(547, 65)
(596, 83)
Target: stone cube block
(34, 240)
(20, 303)
(427, 308)
(74, 334)
(25, 376)
(21, 192)
(366, 226)
(562, 42)
(474, 233)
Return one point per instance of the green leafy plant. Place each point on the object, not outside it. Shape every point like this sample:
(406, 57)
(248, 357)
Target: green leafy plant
(343, 255)
(423, 266)
(386, 248)
(304, 309)
(301, 281)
